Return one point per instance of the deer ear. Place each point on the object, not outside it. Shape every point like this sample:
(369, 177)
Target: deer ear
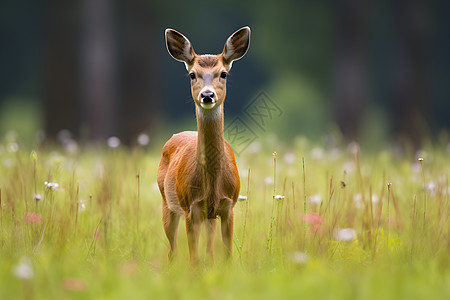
(236, 45)
(179, 47)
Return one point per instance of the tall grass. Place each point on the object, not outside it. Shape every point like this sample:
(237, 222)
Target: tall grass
(349, 227)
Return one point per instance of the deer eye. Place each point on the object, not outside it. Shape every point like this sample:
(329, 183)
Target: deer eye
(192, 75)
(223, 75)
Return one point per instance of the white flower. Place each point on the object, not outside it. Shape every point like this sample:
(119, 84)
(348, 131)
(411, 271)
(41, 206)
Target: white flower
(12, 147)
(430, 186)
(416, 168)
(268, 180)
(345, 234)
(64, 136)
(353, 148)
(300, 258)
(357, 199)
(24, 269)
(278, 197)
(71, 146)
(51, 185)
(315, 199)
(81, 205)
(289, 158)
(113, 142)
(349, 166)
(317, 153)
(255, 147)
(374, 198)
(335, 153)
(242, 198)
(37, 197)
(7, 162)
(143, 139)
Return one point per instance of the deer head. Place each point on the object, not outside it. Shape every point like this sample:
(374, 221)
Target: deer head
(208, 73)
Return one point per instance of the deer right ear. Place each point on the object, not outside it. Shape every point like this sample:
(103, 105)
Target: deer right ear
(179, 47)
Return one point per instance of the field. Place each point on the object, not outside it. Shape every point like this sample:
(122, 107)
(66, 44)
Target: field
(85, 223)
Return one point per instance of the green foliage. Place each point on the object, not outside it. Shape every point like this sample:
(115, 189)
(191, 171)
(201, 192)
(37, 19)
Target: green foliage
(98, 232)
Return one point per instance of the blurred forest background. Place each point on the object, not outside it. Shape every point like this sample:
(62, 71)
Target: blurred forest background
(374, 71)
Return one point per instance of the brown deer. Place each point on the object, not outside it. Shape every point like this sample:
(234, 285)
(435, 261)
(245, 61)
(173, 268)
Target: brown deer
(197, 175)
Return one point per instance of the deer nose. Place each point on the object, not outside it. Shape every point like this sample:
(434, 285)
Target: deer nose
(207, 96)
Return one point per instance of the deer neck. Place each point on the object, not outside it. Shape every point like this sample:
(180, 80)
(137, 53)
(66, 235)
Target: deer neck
(210, 147)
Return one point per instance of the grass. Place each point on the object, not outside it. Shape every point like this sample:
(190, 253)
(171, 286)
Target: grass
(99, 234)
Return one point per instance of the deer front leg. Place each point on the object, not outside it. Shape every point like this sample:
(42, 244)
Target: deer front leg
(226, 224)
(170, 222)
(193, 222)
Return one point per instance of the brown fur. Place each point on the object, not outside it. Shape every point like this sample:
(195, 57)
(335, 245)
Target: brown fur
(197, 175)
(207, 61)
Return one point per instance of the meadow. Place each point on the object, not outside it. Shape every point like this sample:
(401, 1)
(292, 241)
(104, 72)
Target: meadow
(313, 222)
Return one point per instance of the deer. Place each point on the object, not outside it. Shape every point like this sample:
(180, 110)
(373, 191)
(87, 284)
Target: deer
(197, 176)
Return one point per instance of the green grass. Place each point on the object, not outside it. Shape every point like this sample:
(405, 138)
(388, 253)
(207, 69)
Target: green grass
(100, 235)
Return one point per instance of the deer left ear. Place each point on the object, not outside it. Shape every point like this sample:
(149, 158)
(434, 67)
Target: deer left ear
(236, 45)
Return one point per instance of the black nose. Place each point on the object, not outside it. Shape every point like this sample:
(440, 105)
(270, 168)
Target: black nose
(207, 97)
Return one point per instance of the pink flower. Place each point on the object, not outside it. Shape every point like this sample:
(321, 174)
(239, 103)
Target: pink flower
(98, 235)
(315, 221)
(33, 218)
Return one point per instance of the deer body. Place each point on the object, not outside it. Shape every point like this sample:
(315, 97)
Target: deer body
(197, 176)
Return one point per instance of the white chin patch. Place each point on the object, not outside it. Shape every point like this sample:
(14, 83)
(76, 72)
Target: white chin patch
(207, 105)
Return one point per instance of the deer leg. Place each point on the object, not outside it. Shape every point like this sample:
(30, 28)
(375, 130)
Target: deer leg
(193, 222)
(227, 232)
(211, 226)
(170, 221)
(226, 224)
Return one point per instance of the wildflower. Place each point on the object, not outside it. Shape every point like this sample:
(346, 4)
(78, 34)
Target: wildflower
(353, 148)
(345, 234)
(430, 186)
(315, 199)
(34, 156)
(278, 197)
(255, 147)
(51, 185)
(445, 191)
(416, 168)
(130, 268)
(289, 158)
(143, 139)
(374, 198)
(420, 159)
(315, 221)
(357, 199)
(71, 146)
(64, 136)
(242, 198)
(335, 153)
(98, 235)
(33, 218)
(349, 166)
(12, 147)
(268, 180)
(24, 269)
(74, 284)
(317, 153)
(37, 197)
(300, 257)
(113, 142)
(7, 162)
(81, 205)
